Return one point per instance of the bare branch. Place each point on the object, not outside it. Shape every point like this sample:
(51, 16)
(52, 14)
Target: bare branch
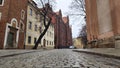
(78, 5)
(43, 6)
(76, 14)
(45, 11)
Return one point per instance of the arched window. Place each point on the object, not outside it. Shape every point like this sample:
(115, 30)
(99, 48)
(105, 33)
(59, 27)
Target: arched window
(14, 22)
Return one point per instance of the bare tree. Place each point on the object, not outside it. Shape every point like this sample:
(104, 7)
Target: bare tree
(78, 10)
(78, 7)
(46, 13)
(83, 36)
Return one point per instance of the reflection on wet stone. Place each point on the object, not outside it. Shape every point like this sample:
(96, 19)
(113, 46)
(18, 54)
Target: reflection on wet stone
(58, 59)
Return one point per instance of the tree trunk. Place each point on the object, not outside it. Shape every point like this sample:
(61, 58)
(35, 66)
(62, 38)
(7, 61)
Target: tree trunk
(41, 36)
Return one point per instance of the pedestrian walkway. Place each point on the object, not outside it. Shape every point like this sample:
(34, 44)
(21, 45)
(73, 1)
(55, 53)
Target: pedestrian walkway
(11, 52)
(5, 53)
(108, 52)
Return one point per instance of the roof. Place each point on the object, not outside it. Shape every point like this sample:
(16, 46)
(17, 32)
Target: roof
(57, 13)
(53, 19)
(65, 19)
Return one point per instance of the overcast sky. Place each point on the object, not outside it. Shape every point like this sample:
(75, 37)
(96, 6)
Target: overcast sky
(75, 22)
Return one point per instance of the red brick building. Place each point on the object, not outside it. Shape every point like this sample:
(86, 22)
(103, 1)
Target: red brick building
(13, 18)
(68, 31)
(63, 35)
(103, 23)
(12, 23)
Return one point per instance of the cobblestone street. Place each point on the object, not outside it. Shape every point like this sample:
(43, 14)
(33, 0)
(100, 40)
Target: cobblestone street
(63, 58)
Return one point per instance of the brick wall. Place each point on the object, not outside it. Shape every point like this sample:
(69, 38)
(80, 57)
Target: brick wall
(99, 22)
(4, 18)
(63, 34)
(12, 9)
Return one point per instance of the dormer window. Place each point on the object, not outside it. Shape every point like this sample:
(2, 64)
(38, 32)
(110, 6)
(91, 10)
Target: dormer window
(1, 2)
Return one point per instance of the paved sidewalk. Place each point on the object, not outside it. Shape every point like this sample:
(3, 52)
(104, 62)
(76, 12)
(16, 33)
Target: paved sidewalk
(108, 52)
(12, 52)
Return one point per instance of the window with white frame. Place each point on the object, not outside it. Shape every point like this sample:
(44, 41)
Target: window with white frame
(21, 26)
(31, 12)
(40, 28)
(35, 27)
(0, 15)
(22, 14)
(35, 39)
(1, 2)
(30, 25)
(29, 39)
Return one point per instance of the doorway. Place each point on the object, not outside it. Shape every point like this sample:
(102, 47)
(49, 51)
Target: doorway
(10, 40)
(44, 43)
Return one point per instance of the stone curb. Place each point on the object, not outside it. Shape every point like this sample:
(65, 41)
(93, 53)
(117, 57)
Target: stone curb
(100, 54)
(14, 54)
(19, 53)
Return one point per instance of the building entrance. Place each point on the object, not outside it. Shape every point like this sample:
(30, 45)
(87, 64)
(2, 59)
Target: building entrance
(11, 39)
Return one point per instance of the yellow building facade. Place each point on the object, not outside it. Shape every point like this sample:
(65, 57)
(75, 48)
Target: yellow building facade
(33, 23)
(35, 27)
(77, 43)
(48, 39)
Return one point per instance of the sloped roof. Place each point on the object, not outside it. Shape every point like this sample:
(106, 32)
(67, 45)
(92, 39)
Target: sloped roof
(53, 19)
(57, 13)
(65, 19)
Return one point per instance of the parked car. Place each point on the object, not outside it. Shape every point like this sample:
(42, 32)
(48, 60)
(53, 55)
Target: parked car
(72, 47)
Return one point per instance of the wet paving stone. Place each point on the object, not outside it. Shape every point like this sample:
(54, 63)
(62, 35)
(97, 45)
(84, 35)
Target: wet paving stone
(63, 58)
